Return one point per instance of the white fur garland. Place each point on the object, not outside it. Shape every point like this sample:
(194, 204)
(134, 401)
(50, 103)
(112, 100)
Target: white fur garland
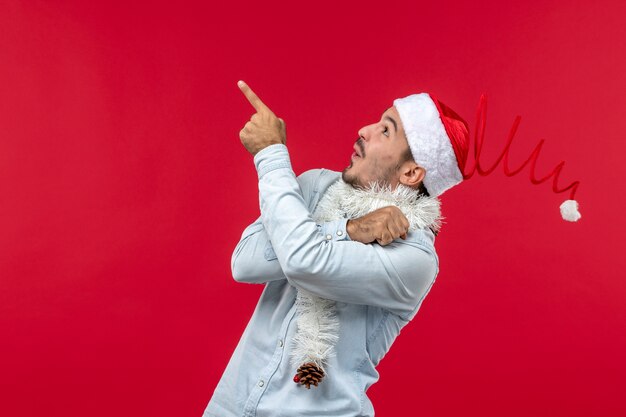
(318, 324)
(318, 330)
(346, 201)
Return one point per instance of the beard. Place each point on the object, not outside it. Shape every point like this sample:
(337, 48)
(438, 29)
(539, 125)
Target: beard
(382, 180)
(349, 178)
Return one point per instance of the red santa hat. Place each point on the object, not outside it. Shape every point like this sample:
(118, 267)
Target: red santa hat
(439, 141)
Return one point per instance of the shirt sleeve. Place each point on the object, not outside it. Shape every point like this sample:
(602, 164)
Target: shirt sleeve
(254, 260)
(396, 276)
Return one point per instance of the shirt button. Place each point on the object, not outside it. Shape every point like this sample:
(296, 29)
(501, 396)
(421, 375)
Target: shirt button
(261, 383)
(328, 237)
(280, 343)
(339, 232)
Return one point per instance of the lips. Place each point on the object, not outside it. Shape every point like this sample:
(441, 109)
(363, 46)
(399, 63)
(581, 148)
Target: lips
(357, 150)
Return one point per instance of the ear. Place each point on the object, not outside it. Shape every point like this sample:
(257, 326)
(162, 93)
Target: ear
(412, 174)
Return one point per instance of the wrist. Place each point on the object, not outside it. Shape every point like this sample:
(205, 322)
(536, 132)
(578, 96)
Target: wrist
(271, 158)
(350, 229)
(265, 146)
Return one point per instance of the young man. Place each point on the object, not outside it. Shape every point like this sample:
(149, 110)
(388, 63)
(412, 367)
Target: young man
(346, 258)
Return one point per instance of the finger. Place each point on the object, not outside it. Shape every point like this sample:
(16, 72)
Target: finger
(394, 231)
(403, 225)
(399, 231)
(399, 215)
(386, 238)
(402, 222)
(248, 127)
(396, 227)
(381, 242)
(406, 223)
(252, 97)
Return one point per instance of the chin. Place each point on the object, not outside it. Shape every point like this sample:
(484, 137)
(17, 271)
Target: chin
(351, 178)
(348, 178)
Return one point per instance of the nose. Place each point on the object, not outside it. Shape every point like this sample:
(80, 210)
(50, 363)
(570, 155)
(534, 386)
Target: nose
(363, 133)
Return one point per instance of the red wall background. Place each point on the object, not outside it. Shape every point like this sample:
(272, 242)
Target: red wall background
(124, 189)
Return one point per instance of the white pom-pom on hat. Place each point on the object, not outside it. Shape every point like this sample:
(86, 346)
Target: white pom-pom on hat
(569, 210)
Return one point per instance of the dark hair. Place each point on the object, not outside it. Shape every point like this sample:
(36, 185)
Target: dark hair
(422, 189)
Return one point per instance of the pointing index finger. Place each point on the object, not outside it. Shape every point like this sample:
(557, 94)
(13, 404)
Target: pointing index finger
(252, 97)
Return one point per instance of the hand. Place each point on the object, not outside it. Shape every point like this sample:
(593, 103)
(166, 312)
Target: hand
(264, 128)
(382, 225)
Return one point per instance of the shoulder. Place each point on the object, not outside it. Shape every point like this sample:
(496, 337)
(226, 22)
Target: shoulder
(309, 175)
(314, 173)
(316, 179)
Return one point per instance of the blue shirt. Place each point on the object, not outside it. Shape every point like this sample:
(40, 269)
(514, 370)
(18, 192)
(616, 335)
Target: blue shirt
(377, 289)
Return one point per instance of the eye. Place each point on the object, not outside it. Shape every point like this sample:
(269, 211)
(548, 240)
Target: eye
(386, 130)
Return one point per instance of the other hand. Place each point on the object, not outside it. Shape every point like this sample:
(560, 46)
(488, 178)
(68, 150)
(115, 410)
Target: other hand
(264, 128)
(382, 225)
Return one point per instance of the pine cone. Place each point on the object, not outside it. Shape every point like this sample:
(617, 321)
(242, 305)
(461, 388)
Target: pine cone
(309, 374)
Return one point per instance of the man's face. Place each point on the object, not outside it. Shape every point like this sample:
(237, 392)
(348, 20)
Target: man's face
(377, 152)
